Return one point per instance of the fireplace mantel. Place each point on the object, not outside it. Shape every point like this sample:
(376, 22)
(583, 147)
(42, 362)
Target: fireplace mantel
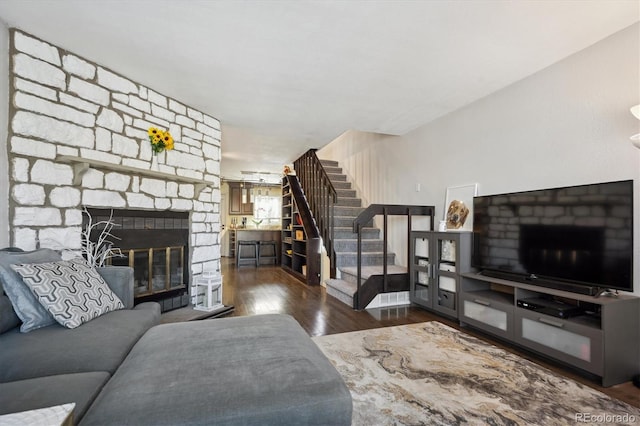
(81, 165)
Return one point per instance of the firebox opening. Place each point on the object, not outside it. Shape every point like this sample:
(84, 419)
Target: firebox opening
(156, 245)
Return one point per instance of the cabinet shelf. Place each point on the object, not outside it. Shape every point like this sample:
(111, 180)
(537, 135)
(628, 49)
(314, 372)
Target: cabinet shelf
(593, 321)
(304, 260)
(545, 290)
(495, 296)
(232, 243)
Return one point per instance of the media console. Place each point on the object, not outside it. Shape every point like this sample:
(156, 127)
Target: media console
(599, 335)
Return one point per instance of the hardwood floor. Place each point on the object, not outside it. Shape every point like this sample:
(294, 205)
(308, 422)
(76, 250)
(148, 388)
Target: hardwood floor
(269, 289)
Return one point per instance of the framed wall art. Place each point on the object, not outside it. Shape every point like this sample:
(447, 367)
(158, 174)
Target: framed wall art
(458, 207)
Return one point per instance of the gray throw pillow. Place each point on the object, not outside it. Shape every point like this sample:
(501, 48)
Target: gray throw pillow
(8, 317)
(71, 290)
(32, 314)
(13, 250)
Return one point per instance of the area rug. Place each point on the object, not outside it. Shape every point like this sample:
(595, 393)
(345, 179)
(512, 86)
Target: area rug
(432, 374)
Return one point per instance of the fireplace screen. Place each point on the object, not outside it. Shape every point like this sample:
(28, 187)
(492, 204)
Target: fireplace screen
(156, 245)
(156, 270)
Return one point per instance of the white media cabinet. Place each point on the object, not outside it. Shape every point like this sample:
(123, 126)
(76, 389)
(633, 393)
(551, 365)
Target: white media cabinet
(604, 342)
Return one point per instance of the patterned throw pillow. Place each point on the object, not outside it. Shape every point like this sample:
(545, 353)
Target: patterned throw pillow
(25, 304)
(72, 291)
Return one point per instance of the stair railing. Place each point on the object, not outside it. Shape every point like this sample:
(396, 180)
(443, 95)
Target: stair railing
(386, 210)
(321, 196)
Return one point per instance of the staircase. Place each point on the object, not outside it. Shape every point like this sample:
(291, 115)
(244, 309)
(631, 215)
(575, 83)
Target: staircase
(345, 211)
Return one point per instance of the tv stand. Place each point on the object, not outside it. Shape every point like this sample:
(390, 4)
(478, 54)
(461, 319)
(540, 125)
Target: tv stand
(600, 339)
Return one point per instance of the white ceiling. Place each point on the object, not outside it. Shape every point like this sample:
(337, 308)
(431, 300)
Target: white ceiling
(286, 76)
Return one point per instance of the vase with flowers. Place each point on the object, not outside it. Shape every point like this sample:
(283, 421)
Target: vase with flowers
(161, 141)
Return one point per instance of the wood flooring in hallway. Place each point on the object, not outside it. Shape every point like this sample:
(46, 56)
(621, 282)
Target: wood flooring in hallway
(269, 289)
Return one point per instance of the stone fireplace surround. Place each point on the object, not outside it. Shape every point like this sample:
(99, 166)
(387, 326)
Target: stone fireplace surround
(78, 138)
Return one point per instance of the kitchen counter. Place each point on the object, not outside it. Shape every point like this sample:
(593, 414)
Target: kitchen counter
(252, 234)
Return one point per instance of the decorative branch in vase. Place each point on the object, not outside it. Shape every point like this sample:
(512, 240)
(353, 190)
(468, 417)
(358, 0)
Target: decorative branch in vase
(99, 251)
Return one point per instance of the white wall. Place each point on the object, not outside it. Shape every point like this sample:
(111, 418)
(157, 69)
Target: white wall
(4, 114)
(568, 124)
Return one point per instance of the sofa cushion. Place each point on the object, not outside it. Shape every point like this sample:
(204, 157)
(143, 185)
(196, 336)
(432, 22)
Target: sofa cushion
(257, 370)
(25, 304)
(120, 281)
(71, 290)
(8, 317)
(49, 391)
(99, 345)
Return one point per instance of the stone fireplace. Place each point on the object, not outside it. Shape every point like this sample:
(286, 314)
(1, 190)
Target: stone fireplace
(78, 138)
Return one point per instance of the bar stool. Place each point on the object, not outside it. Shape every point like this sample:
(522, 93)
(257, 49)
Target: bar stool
(249, 257)
(273, 253)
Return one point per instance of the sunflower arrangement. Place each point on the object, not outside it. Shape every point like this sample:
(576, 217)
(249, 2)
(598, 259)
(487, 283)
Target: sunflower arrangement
(160, 140)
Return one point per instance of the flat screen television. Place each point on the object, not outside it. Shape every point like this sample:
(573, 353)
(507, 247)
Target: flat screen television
(577, 238)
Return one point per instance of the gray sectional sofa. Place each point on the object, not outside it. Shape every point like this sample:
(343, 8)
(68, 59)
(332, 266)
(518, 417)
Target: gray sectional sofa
(122, 368)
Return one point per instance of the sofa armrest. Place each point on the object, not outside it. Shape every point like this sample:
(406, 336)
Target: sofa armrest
(120, 280)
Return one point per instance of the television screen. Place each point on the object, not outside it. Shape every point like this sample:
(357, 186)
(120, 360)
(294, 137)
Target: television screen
(579, 234)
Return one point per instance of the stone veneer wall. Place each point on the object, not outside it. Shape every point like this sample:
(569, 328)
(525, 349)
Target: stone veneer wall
(64, 105)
